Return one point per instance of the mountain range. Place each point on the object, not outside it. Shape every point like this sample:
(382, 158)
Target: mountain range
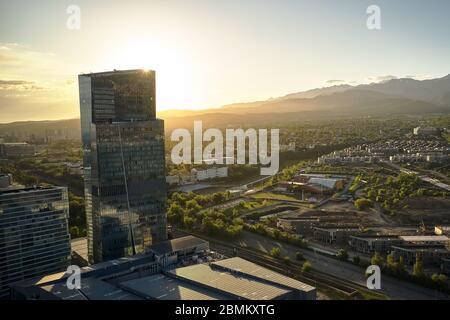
(396, 96)
(403, 96)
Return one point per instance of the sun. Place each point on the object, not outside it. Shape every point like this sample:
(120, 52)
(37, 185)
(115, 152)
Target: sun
(175, 88)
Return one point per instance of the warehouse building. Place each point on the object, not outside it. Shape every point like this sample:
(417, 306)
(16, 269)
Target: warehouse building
(144, 277)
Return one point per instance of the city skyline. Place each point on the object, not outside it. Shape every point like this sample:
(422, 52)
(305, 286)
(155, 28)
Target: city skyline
(275, 49)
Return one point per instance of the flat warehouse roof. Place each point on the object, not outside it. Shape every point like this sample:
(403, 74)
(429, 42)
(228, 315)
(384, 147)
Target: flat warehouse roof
(162, 287)
(425, 238)
(252, 269)
(227, 282)
(96, 289)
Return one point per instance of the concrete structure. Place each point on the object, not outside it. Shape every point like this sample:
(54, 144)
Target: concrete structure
(373, 243)
(432, 254)
(442, 239)
(333, 235)
(34, 235)
(74, 168)
(290, 147)
(16, 150)
(302, 226)
(425, 131)
(142, 277)
(173, 180)
(124, 163)
(445, 265)
(79, 252)
(185, 248)
(5, 180)
(210, 173)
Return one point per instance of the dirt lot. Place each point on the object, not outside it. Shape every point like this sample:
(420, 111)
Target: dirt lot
(430, 210)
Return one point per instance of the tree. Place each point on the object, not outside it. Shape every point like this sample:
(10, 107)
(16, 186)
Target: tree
(174, 213)
(74, 232)
(362, 204)
(393, 266)
(342, 254)
(440, 281)
(306, 267)
(276, 234)
(287, 260)
(275, 252)
(377, 259)
(192, 206)
(418, 266)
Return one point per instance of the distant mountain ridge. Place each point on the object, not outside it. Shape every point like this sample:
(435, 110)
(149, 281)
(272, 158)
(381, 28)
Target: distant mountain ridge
(395, 96)
(403, 96)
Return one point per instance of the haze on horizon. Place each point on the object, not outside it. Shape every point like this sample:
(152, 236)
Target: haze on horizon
(209, 53)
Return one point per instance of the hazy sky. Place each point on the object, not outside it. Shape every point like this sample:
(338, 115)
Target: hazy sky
(210, 53)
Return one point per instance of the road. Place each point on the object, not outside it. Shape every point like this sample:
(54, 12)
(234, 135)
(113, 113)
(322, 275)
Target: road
(395, 289)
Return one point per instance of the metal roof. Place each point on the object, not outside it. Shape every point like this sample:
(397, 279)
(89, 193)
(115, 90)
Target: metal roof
(425, 238)
(325, 182)
(162, 287)
(91, 289)
(228, 283)
(246, 267)
(177, 244)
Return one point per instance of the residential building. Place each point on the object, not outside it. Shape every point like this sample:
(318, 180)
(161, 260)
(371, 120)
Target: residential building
(34, 236)
(124, 163)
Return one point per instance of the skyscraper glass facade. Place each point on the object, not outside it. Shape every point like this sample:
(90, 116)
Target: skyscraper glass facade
(124, 162)
(34, 235)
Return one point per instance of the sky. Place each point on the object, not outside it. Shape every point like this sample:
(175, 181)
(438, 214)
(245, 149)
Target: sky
(208, 53)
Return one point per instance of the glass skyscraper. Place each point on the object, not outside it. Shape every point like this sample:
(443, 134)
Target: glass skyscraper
(34, 235)
(124, 163)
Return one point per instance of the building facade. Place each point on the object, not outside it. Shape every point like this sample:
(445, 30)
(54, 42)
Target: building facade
(370, 244)
(16, 150)
(34, 235)
(124, 164)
